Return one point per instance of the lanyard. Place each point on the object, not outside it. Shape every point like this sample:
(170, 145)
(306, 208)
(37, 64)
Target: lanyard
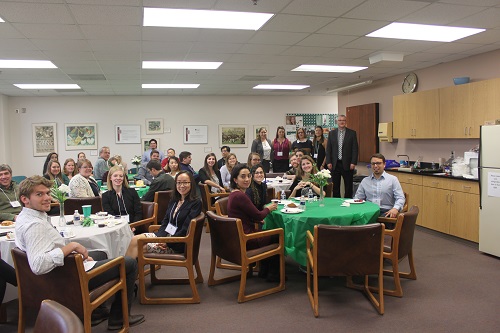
(176, 212)
(119, 209)
(15, 194)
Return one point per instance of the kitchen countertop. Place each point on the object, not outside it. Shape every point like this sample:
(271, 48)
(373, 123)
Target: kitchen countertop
(432, 175)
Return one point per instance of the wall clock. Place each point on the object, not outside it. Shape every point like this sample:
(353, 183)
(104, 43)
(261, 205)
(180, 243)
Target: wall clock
(410, 83)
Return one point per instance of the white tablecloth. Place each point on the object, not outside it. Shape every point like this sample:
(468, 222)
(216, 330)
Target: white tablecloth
(277, 185)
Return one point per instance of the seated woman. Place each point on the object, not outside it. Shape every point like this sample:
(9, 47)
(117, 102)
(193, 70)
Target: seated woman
(210, 174)
(83, 185)
(184, 206)
(253, 159)
(172, 167)
(121, 200)
(50, 157)
(54, 173)
(69, 168)
(225, 170)
(257, 191)
(301, 183)
(240, 206)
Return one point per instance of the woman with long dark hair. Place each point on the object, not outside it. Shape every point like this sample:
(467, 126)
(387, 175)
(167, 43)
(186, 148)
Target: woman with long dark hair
(319, 147)
(210, 174)
(281, 151)
(257, 191)
(50, 157)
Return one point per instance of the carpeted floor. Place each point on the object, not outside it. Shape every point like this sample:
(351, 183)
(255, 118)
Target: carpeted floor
(457, 290)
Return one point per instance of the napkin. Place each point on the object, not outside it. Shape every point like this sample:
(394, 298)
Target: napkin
(345, 204)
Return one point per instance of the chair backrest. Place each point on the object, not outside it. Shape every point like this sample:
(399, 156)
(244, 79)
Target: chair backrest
(72, 204)
(224, 236)
(274, 174)
(148, 210)
(405, 207)
(132, 171)
(56, 318)
(271, 194)
(162, 198)
(205, 197)
(329, 190)
(407, 231)
(18, 179)
(199, 221)
(62, 284)
(349, 250)
(221, 206)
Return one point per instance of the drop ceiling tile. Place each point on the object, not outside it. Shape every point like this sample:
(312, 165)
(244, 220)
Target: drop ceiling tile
(276, 37)
(390, 10)
(107, 15)
(61, 45)
(488, 18)
(296, 23)
(22, 12)
(49, 31)
(322, 40)
(321, 7)
(112, 32)
(262, 49)
(352, 27)
(309, 51)
(441, 14)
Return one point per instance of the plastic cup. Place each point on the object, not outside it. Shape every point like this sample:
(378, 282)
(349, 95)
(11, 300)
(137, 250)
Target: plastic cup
(87, 209)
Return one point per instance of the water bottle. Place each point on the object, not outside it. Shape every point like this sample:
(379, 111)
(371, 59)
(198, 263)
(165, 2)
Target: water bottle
(302, 203)
(283, 195)
(77, 218)
(310, 195)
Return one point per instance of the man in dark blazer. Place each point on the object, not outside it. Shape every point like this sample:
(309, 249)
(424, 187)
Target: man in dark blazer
(342, 156)
(161, 180)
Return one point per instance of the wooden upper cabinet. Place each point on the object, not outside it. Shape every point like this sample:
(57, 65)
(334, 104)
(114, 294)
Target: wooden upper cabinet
(416, 116)
(485, 101)
(455, 106)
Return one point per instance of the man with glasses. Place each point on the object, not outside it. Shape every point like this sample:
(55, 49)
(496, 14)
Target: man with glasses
(382, 189)
(10, 206)
(101, 165)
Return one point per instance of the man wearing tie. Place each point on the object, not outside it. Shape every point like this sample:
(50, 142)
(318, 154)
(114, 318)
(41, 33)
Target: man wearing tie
(342, 156)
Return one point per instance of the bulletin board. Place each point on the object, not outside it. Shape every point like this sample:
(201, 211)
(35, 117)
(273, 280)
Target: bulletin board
(309, 121)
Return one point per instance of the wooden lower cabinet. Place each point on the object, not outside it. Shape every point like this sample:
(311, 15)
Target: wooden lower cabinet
(465, 216)
(436, 215)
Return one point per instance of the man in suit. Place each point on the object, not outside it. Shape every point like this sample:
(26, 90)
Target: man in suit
(342, 156)
(161, 181)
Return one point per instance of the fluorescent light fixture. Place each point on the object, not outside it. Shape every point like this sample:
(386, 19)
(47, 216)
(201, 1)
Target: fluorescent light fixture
(205, 19)
(435, 33)
(47, 86)
(169, 86)
(351, 86)
(281, 86)
(328, 68)
(26, 64)
(181, 64)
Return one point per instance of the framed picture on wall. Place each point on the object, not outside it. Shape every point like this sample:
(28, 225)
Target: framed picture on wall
(154, 126)
(44, 138)
(233, 135)
(80, 136)
(195, 134)
(127, 133)
(256, 129)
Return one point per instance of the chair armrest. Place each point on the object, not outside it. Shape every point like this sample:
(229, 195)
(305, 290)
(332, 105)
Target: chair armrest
(154, 227)
(260, 234)
(221, 195)
(143, 241)
(107, 266)
(141, 222)
(310, 237)
(392, 220)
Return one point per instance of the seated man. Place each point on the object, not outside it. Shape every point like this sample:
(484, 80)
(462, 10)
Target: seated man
(225, 150)
(161, 181)
(10, 206)
(185, 158)
(382, 188)
(101, 165)
(290, 174)
(146, 156)
(143, 173)
(170, 153)
(46, 248)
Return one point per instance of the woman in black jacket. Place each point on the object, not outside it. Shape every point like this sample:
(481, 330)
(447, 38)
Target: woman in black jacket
(210, 174)
(184, 206)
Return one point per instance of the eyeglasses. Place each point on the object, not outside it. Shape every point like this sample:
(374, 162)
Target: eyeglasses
(376, 163)
(256, 159)
(259, 172)
(87, 167)
(180, 184)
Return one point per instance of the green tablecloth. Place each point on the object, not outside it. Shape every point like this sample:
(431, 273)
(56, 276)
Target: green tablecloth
(140, 190)
(295, 225)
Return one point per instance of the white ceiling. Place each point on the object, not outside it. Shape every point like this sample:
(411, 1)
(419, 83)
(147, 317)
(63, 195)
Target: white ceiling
(106, 38)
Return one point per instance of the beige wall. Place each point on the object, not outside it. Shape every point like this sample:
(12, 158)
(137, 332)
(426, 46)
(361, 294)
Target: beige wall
(481, 67)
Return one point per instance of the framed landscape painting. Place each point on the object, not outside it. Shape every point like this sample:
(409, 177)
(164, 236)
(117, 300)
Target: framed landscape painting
(80, 136)
(154, 126)
(233, 135)
(44, 138)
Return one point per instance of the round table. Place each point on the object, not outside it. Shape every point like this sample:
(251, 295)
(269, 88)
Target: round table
(295, 225)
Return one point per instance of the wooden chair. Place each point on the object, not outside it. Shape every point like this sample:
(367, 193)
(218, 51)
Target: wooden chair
(18, 179)
(274, 174)
(72, 204)
(405, 207)
(228, 242)
(345, 251)
(206, 198)
(56, 318)
(271, 194)
(221, 206)
(399, 245)
(162, 198)
(329, 190)
(69, 286)
(188, 259)
(149, 212)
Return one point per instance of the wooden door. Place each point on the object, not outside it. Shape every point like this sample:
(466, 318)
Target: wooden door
(364, 120)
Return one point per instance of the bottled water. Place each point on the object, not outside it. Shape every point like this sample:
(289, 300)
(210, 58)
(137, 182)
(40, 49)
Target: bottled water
(283, 195)
(77, 218)
(310, 195)
(302, 203)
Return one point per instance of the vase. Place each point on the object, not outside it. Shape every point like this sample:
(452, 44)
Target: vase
(62, 219)
(321, 199)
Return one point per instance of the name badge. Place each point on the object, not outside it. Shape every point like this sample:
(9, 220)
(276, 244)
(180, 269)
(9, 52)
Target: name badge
(315, 156)
(171, 229)
(15, 204)
(376, 201)
(280, 153)
(126, 218)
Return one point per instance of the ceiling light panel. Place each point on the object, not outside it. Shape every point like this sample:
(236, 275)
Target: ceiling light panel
(205, 19)
(433, 33)
(328, 68)
(26, 64)
(281, 86)
(181, 64)
(47, 86)
(169, 86)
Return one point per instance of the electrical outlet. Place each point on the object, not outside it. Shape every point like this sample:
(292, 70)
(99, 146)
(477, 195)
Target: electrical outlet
(17, 110)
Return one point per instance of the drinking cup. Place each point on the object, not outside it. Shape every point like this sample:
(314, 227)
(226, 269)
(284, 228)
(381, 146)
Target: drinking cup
(87, 209)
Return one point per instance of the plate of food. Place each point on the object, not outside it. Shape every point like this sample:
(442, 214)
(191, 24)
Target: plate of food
(99, 216)
(7, 225)
(288, 210)
(355, 201)
(285, 202)
(10, 236)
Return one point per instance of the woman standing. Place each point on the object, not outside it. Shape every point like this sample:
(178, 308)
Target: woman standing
(172, 167)
(83, 185)
(240, 206)
(226, 169)
(210, 175)
(262, 146)
(50, 157)
(319, 146)
(301, 183)
(257, 191)
(54, 173)
(184, 206)
(281, 149)
(69, 168)
(120, 199)
(302, 142)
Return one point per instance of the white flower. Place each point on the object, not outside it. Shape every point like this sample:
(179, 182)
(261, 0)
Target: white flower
(64, 188)
(136, 160)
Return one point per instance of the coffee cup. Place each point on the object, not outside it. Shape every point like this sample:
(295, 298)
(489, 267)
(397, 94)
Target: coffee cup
(87, 210)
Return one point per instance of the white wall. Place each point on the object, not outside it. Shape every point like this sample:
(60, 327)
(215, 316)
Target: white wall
(175, 110)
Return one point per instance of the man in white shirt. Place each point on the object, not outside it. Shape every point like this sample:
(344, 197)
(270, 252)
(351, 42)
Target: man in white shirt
(146, 156)
(382, 188)
(46, 248)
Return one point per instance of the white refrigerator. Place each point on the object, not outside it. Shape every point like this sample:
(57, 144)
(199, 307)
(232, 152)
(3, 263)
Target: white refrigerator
(489, 185)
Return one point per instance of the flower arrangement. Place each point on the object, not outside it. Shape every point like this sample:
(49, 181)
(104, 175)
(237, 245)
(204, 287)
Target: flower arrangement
(60, 194)
(321, 177)
(136, 160)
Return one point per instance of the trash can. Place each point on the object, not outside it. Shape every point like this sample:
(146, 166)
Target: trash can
(356, 180)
